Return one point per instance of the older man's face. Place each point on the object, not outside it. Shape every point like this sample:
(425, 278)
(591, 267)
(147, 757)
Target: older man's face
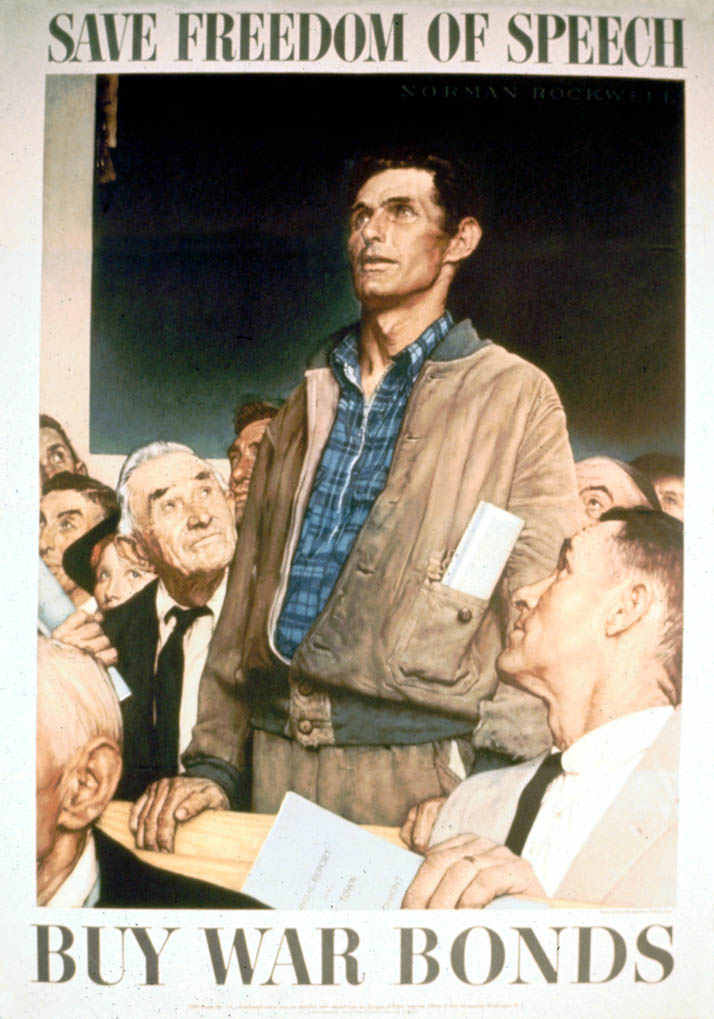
(561, 618)
(48, 794)
(182, 515)
(601, 485)
(242, 454)
(64, 517)
(397, 242)
(56, 456)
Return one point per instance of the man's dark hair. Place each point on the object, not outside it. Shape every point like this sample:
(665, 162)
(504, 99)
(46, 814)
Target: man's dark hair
(652, 542)
(659, 465)
(95, 490)
(254, 410)
(47, 422)
(455, 188)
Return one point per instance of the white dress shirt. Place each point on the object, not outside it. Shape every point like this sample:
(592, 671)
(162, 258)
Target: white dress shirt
(595, 768)
(81, 886)
(195, 651)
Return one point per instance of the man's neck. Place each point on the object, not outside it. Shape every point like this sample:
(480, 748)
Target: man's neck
(613, 694)
(191, 591)
(385, 333)
(56, 867)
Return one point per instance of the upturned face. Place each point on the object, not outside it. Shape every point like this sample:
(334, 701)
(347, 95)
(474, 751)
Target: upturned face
(55, 455)
(117, 578)
(241, 455)
(64, 517)
(397, 244)
(562, 618)
(182, 514)
(601, 485)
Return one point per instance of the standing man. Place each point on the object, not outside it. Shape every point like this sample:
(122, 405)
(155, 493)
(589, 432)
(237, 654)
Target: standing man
(360, 674)
(176, 519)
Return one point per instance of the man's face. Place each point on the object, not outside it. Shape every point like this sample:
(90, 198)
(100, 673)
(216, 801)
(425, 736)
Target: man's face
(242, 454)
(64, 517)
(182, 515)
(602, 484)
(117, 578)
(562, 618)
(396, 241)
(48, 795)
(56, 456)
(670, 492)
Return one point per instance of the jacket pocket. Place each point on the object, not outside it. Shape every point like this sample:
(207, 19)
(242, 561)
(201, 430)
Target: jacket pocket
(433, 651)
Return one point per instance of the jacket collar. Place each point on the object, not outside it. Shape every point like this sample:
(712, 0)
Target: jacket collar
(460, 341)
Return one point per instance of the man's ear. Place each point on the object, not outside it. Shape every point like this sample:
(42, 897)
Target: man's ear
(80, 467)
(134, 548)
(465, 240)
(632, 604)
(92, 780)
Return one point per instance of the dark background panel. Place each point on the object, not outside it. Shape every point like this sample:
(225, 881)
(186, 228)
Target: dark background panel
(219, 258)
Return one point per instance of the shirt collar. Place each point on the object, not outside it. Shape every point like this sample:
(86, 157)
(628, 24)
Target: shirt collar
(344, 359)
(164, 601)
(80, 887)
(615, 743)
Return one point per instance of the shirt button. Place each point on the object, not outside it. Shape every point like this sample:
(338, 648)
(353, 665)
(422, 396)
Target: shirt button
(304, 727)
(306, 689)
(464, 615)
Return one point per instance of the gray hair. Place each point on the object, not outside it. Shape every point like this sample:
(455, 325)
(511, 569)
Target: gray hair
(151, 451)
(75, 700)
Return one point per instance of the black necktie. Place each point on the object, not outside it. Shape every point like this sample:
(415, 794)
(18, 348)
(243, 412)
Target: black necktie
(168, 687)
(530, 800)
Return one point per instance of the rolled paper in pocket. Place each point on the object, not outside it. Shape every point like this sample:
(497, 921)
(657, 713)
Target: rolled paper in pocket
(483, 551)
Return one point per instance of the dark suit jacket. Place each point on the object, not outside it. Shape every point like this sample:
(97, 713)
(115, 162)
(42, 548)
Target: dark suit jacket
(127, 882)
(133, 629)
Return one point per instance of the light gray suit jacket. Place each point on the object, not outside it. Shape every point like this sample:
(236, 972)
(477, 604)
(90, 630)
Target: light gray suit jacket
(629, 858)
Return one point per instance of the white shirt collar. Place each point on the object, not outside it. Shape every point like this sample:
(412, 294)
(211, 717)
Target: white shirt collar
(611, 745)
(164, 601)
(78, 888)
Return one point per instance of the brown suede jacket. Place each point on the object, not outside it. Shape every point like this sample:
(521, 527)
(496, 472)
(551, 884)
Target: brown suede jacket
(480, 424)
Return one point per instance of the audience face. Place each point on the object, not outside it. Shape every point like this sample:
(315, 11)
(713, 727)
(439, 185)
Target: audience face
(64, 517)
(670, 492)
(561, 618)
(602, 484)
(48, 794)
(56, 456)
(182, 515)
(242, 454)
(118, 578)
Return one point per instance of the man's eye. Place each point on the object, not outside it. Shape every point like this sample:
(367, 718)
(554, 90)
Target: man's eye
(57, 457)
(402, 211)
(594, 507)
(168, 507)
(359, 219)
(206, 490)
(67, 525)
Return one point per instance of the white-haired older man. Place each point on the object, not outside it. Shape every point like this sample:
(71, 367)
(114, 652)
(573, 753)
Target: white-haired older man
(176, 515)
(79, 739)
(79, 761)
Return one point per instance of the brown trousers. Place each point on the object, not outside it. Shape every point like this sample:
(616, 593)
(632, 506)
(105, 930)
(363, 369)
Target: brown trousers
(367, 785)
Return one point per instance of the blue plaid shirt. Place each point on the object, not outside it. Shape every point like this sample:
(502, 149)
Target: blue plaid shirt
(352, 473)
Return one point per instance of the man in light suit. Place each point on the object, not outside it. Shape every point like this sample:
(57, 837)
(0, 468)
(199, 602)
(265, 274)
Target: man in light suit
(600, 642)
